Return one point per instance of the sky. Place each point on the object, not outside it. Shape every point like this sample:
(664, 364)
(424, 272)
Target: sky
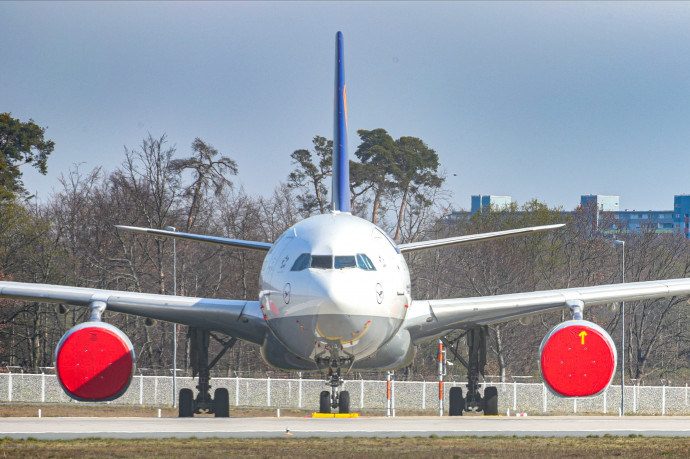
(545, 100)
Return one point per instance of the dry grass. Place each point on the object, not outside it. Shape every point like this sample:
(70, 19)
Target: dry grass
(103, 410)
(434, 447)
(80, 410)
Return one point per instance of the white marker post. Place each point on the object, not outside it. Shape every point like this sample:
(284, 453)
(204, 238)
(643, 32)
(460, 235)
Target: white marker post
(441, 353)
(388, 394)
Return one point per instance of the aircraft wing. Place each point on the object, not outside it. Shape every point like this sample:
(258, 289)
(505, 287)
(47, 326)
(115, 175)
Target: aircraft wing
(242, 319)
(253, 245)
(428, 319)
(469, 238)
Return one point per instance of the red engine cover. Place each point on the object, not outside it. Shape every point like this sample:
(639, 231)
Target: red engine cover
(577, 359)
(94, 362)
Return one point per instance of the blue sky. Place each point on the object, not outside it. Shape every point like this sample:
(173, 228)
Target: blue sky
(533, 100)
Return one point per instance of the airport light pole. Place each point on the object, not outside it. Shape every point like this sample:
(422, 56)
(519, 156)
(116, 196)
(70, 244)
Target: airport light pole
(174, 375)
(622, 244)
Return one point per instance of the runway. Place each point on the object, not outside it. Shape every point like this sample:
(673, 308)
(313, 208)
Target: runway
(250, 427)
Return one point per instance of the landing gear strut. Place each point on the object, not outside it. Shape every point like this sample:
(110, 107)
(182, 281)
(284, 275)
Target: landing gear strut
(218, 405)
(335, 398)
(473, 401)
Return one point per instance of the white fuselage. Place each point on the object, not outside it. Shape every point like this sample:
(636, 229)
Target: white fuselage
(334, 289)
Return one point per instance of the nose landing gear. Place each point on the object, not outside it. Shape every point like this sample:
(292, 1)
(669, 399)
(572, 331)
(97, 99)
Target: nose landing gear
(336, 398)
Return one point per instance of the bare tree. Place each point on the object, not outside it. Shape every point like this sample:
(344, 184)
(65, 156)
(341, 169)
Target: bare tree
(149, 181)
(209, 173)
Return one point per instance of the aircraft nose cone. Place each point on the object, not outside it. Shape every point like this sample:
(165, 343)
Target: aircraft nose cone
(335, 327)
(337, 297)
(337, 313)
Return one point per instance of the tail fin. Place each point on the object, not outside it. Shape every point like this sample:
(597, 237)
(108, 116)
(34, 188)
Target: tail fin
(341, 166)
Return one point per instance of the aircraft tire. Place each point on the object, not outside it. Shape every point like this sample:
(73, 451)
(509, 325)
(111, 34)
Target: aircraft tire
(325, 402)
(490, 401)
(186, 403)
(456, 402)
(221, 403)
(344, 402)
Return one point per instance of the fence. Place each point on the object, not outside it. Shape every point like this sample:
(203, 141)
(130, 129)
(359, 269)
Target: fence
(364, 395)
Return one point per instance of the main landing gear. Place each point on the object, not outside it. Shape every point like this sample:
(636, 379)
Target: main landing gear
(219, 404)
(473, 401)
(335, 398)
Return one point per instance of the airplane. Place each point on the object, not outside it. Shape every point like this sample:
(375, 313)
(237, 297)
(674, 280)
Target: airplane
(335, 297)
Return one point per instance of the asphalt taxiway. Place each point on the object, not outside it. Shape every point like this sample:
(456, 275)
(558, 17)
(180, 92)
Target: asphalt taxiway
(422, 426)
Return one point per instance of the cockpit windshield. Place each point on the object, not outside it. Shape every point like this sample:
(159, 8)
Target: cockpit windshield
(321, 262)
(365, 263)
(344, 261)
(307, 260)
(302, 262)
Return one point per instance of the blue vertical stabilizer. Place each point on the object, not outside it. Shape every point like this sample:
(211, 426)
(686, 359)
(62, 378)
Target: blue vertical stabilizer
(341, 166)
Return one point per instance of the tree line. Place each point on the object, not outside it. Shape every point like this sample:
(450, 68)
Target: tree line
(71, 239)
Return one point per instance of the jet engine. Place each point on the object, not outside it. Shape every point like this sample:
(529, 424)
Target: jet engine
(94, 361)
(577, 359)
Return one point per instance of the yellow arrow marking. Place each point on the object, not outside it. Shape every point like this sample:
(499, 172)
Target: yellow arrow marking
(582, 335)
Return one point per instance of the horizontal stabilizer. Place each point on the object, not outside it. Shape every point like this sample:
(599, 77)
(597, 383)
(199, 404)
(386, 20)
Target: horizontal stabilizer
(469, 238)
(252, 245)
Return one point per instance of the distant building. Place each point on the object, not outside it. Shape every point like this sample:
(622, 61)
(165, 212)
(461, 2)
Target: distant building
(602, 202)
(483, 201)
(662, 221)
(681, 213)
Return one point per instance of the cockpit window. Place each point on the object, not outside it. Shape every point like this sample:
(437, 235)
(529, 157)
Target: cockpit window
(345, 261)
(307, 260)
(301, 263)
(322, 261)
(365, 263)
